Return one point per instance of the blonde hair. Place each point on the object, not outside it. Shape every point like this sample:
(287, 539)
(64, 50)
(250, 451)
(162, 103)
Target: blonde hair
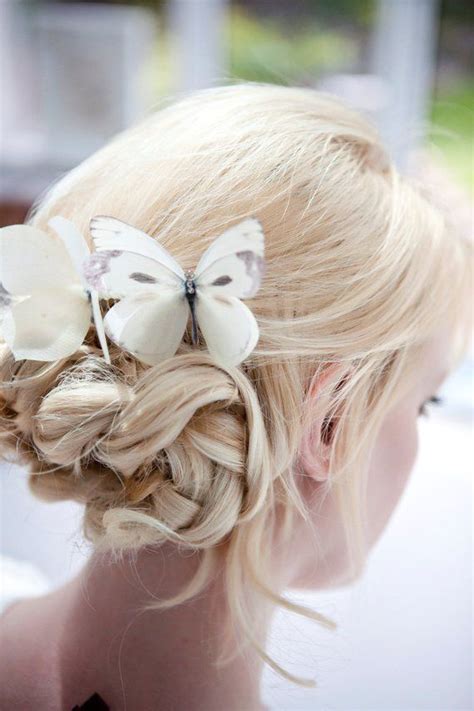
(361, 270)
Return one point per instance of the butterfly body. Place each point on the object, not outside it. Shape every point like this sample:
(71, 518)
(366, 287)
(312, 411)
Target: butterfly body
(190, 292)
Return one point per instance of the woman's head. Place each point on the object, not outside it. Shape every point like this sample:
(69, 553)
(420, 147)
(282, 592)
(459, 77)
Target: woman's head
(388, 468)
(361, 273)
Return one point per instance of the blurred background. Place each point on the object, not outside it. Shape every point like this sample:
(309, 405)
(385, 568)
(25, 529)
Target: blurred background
(74, 74)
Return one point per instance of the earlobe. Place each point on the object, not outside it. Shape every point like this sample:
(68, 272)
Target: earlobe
(316, 442)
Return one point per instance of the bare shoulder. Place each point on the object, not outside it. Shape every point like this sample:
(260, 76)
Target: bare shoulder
(28, 678)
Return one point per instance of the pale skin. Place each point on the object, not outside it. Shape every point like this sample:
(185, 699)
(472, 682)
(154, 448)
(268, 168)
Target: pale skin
(87, 636)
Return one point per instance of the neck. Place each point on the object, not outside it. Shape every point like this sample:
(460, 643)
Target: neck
(151, 659)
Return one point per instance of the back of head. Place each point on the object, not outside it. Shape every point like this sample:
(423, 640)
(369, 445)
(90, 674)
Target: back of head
(361, 269)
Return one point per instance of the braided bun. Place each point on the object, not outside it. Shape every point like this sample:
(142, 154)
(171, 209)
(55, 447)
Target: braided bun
(177, 443)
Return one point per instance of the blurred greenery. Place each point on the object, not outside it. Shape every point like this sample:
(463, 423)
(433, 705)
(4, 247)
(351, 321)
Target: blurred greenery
(319, 38)
(452, 115)
(352, 11)
(267, 51)
(263, 51)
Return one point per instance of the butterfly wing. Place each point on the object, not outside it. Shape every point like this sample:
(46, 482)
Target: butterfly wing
(228, 326)
(116, 274)
(128, 264)
(150, 325)
(233, 264)
(46, 313)
(113, 234)
(128, 261)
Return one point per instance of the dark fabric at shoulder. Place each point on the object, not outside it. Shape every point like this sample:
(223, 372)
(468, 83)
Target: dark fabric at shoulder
(95, 703)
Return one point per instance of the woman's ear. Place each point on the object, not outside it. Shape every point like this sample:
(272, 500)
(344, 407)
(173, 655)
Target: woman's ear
(316, 442)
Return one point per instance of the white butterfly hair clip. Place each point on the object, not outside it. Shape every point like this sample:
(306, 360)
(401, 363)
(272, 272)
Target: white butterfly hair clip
(156, 296)
(45, 301)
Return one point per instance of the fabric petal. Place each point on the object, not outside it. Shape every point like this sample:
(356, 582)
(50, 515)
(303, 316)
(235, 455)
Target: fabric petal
(31, 260)
(48, 326)
(74, 241)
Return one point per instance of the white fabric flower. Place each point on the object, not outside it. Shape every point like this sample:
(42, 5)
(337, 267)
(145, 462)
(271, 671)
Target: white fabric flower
(45, 302)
